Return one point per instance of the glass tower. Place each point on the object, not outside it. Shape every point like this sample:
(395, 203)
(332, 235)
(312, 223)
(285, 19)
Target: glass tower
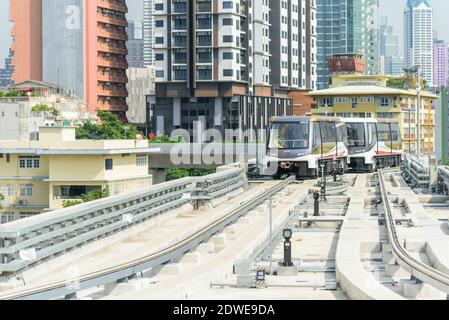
(347, 26)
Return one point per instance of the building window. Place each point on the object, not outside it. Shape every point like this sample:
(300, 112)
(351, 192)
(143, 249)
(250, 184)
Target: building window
(228, 21)
(109, 164)
(159, 57)
(159, 73)
(228, 39)
(141, 160)
(228, 4)
(159, 23)
(7, 217)
(159, 40)
(158, 6)
(228, 56)
(29, 162)
(228, 73)
(26, 190)
(384, 102)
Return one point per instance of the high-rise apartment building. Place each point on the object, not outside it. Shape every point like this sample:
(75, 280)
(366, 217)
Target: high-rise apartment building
(418, 37)
(78, 44)
(347, 27)
(293, 44)
(231, 63)
(441, 63)
(6, 72)
(370, 36)
(148, 32)
(135, 44)
(27, 39)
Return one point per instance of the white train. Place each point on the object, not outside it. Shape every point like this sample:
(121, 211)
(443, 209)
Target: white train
(304, 145)
(373, 143)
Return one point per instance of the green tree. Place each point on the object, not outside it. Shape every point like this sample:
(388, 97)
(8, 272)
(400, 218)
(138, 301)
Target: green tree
(90, 196)
(112, 128)
(1, 199)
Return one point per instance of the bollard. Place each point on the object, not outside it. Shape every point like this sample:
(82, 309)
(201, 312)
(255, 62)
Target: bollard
(316, 207)
(287, 248)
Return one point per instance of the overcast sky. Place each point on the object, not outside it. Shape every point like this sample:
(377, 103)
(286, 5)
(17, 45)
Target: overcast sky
(391, 8)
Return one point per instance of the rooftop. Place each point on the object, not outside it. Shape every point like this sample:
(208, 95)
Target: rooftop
(368, 90)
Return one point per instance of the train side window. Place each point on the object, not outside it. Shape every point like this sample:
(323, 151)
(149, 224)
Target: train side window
(383, 132)
(395, 132)
(372, 133)
(328, 132)
(316, 134)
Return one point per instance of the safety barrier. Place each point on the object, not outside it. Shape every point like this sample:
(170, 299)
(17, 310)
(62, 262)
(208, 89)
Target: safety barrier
(417, 171)
(28, 242)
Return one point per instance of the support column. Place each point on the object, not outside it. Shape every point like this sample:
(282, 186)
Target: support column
(177, 112)
(218, 112)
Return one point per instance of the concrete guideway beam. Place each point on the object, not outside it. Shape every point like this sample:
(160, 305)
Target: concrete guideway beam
(354, 279)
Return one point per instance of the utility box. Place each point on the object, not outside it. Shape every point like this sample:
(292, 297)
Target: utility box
(242, 267)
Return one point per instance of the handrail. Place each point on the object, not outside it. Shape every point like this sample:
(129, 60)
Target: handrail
(416, 268)
(130, 268)
(28, 242)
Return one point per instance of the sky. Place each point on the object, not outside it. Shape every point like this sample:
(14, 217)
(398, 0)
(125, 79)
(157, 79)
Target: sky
(393, 9)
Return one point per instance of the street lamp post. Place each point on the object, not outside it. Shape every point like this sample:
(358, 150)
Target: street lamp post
(418, 129)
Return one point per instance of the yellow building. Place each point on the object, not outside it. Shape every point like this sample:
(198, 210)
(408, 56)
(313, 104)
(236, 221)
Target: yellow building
(374, 96)
(36, 176)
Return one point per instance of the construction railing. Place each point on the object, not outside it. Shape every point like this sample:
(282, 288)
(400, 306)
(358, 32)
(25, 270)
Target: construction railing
(28, 242)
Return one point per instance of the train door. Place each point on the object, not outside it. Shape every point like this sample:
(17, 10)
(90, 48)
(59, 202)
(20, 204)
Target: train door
(372, 136)
(328, 140)
(396, 142)
(384, 139)
(316, 145)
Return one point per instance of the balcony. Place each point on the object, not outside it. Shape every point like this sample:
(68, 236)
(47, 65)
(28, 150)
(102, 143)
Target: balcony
(115, 5)
(108, 63)
(110, 106)
(112, 34)
(113, 92)
(111, 78)
(111, 20)
(102, 47)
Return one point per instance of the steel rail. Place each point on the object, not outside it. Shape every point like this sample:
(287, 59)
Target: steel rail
(416, 268)
(131, 268)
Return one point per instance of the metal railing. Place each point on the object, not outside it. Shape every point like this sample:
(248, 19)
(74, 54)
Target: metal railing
(131, 268)
(443, 180)
(416, 268)
(416, 171)
(28, 242)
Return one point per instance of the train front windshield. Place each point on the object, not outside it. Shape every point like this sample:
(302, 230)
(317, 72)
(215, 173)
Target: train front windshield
(356, 134)
(293, 135)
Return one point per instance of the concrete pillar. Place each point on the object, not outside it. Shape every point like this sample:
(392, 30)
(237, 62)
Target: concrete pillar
(218, 112)
(160, 126)
(159, 175)
(177, 112)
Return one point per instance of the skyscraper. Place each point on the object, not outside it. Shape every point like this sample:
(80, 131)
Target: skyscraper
(389, 50)
(79, 44)
(6, 72)
(135, 45)
(347, 27)
(418, 37)
(27, 39)
(148, 32)
(441, 63)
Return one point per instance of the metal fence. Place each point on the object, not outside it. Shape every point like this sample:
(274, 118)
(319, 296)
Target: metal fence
(28, 242)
